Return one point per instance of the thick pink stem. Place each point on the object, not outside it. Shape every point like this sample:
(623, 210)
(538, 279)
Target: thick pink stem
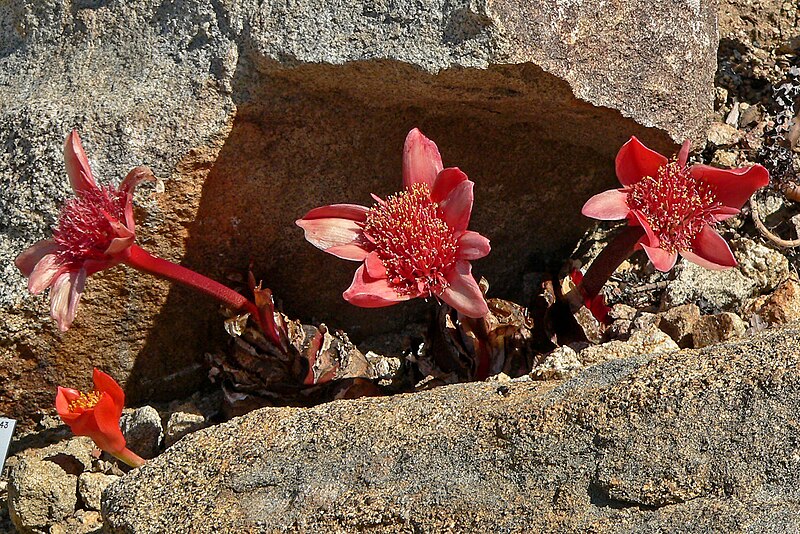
(611, 257)
(129, 457)
(140, 259)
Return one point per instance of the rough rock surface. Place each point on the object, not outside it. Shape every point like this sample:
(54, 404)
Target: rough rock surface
(143, 431)
(780, 307)
(692, 441)
(255, 112)
(647, 340)
(180, 424)
(677, 322)
(42, 483)
(41, 492)
(760, 270)
(561, 363)
(766, 22)
(91, 486)
(711, 329)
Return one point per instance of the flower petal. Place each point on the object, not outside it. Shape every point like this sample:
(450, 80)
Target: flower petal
(635, 161)
(106, 384)
(27, 260)
(136, 176)
(472, 246)
(120, 229)
(725, 212)
(78, 284)
(683, 155)
(733, 187)
(336, 230)
(421, 160)
(109, 438)
(662, 260)
(64, 297)
(609, 205)
(82, 423)
(457, 207)
(118, 244)
(44, 273)
(130, 223)
(352, 212)
(445, 182)
(63, 397)
(463, 293)
(374, 265)
(78, 170)
(710, 250)
(369, 292)
(638, 218)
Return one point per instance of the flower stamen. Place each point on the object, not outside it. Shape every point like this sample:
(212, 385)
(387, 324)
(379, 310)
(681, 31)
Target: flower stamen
(86, 401)
(413, 241)
(675, 204)
(84, 230)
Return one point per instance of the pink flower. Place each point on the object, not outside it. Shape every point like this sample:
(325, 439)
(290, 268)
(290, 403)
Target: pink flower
(94, 232)
(676, 206)
(414, 243)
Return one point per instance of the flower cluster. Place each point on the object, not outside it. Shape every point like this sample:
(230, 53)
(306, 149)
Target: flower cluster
(671, 209)
(412, 244)
(676, 206)
(94, 232)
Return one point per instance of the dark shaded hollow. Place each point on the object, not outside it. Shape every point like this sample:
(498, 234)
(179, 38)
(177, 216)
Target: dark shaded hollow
(312, 135)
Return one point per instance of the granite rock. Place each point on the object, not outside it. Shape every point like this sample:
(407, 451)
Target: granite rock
(143, 431)
(91, 486)
(718, 328)
(40, 493)
(642, 341)
(181, 423)
(561, 363)
(678, 322)
(254, 112)
(760, 270)
(691, 441)
(779, 307)
(721, 134)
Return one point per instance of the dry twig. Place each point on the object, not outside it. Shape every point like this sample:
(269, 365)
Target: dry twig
(766, 232)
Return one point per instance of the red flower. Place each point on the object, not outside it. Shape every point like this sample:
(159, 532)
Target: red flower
(413, 244)
(94, 232)
(676, 206)
(95, 414)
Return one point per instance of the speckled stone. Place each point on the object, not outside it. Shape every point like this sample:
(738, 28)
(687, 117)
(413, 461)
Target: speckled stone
(640, 444)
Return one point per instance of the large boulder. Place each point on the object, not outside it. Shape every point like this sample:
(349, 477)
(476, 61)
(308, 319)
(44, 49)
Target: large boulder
(254, 112)
(691, 441)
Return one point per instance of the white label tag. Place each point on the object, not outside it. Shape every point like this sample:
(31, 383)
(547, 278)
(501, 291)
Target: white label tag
(6, 431)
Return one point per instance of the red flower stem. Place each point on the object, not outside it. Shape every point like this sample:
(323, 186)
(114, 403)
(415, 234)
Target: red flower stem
(140, 259)
(618, 250)
(129, 457)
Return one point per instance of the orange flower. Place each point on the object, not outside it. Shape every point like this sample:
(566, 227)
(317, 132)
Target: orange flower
(96, 414)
